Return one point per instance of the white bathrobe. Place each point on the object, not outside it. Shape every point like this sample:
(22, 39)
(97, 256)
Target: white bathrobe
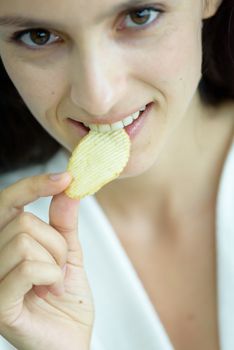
(125, 318)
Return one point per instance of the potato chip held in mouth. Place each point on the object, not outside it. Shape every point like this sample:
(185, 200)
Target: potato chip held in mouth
(98, 159)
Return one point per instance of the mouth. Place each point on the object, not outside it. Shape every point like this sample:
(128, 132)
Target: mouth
(131, 124)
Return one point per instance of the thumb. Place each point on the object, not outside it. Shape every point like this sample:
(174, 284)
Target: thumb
(63, 216)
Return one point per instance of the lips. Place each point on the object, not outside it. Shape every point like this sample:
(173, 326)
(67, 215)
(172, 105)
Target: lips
(133, 129)
(130, 129)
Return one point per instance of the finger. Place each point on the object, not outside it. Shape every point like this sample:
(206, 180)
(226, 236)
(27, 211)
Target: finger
(21, 280)
(22, 248)
(38, 230)
(42, 291)
(57, 290)
(63, 216)
(25, 191)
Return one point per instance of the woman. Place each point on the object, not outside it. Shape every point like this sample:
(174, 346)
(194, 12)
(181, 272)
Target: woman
(141, 272)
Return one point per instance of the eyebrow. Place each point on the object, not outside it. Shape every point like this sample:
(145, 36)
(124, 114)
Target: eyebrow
(21, 21)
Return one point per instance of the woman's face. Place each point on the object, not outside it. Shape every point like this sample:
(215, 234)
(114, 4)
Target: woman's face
(98, 61)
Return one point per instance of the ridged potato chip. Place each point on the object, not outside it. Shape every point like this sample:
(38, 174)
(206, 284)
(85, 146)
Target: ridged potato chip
(98, 159)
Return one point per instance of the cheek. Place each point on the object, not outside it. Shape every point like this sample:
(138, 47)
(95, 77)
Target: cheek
(170, 74)
(172, 66)
(40, 89)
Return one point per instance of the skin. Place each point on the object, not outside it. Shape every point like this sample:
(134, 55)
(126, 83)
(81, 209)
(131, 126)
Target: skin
(32, 257)
(83, 78)
(97, 72)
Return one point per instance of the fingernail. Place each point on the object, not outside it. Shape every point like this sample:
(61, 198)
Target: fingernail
(64, 269)
(58, 176)
(58, 291)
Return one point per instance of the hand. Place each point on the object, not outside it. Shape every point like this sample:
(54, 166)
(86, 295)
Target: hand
(32, 256)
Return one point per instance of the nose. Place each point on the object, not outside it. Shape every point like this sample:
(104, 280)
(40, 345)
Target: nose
(98, 81)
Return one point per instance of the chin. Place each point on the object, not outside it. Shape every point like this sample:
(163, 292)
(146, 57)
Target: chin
(138, 167)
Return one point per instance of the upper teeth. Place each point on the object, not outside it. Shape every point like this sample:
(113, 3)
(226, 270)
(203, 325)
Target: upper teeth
(115, 126)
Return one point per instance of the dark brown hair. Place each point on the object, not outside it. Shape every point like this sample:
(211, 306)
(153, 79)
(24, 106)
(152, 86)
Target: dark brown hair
(24, 142)
(217, 83)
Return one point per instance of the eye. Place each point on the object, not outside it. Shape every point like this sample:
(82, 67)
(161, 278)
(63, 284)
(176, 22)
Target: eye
(34, 38)
(141, 18)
